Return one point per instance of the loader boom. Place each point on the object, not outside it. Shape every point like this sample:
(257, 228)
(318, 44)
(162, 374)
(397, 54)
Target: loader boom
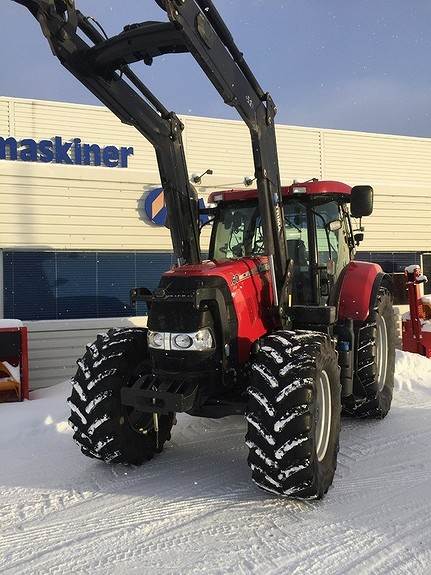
(195, 26)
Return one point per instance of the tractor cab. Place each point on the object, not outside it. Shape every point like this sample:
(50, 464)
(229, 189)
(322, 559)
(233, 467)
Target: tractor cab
(318, 230)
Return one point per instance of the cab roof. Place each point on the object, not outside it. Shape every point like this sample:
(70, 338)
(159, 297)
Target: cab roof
(310, 188)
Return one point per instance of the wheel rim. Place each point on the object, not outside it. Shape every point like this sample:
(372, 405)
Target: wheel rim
(381, 351)
(323, 415)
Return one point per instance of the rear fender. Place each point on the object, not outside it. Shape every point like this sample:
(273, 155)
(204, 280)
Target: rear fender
(359, 286)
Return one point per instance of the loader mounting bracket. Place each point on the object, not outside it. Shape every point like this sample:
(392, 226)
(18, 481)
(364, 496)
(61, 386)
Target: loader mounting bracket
(153, 401)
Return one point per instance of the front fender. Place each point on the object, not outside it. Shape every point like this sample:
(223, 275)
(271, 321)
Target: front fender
(358, 289)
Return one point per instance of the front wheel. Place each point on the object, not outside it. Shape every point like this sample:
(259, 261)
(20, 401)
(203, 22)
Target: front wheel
(104, 428)
(294, 414)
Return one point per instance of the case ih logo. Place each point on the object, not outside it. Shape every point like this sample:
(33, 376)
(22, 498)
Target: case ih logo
(155, 207)
(72, 152)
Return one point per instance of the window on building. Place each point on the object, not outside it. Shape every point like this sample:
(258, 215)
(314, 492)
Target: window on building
(72, 285)
(391, 262)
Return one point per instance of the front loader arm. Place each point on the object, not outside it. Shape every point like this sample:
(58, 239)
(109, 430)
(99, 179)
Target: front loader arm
(212, 45)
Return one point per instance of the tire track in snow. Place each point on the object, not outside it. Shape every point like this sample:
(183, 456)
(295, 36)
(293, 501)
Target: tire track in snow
(412, 517)
(124, 527)
(120, 482)
(153, 515)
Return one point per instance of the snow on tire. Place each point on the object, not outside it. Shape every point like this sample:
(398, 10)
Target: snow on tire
(293, 414)
(103, 427)
(375, 362)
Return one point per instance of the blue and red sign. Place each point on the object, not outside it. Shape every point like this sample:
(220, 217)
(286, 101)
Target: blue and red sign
(155, 207)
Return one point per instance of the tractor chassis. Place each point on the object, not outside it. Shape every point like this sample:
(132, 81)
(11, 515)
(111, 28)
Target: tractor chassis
(190, 392)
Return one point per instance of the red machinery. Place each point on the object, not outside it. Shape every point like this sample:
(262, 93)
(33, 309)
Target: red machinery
(417, 323)
(13, 362)
(279, 323)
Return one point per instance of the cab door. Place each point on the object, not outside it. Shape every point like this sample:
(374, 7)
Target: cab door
(332, 245)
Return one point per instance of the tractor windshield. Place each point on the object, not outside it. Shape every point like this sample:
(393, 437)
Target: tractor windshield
(238, 233)
(238, 230)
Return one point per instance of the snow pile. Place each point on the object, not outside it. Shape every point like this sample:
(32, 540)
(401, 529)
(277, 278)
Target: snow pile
(413, 372)
(194, 509)
(8, 323)
(412, 268)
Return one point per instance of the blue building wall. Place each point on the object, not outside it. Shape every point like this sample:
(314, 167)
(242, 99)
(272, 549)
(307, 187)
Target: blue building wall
(72, 284)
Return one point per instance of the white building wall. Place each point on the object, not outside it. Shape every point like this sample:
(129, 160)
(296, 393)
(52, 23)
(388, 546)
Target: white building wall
(399, 169)
(4, 116)
(73, 207)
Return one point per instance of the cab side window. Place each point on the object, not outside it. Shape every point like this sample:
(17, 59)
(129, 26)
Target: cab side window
(235, 232)
(332, 236)
(327, 239)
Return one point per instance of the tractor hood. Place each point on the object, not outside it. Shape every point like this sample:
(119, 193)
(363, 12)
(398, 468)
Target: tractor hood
(245, 285)
(234, 272)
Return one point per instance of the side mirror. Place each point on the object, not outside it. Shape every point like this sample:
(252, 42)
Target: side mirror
(358, 238)
(361, 201)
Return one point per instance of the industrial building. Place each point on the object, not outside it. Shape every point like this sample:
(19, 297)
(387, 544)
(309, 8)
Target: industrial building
(82, 211)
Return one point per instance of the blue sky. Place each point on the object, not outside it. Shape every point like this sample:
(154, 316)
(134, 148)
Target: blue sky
(356, 65)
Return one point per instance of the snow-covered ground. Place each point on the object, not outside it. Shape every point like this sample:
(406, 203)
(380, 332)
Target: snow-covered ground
(193, 509)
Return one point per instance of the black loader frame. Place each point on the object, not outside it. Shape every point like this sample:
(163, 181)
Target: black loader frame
(102, 65)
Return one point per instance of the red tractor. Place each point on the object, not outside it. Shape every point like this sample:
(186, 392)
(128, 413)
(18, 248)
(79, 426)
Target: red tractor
(279, 323)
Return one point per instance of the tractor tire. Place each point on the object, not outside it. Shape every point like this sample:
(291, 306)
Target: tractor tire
(373, 381)
(294, 414)
(104, 428)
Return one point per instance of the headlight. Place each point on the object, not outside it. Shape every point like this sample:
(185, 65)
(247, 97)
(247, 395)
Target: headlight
(201, 340)
(156, 339)
(182, 340)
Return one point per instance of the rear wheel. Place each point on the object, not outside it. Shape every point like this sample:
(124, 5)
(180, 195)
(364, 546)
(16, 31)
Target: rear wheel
(294, 414)
(375, 362)
(103, 427)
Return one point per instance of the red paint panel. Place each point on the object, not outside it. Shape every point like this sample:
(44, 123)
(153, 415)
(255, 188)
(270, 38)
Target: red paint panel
(25, 385)
(414, 345)
(356, 290)
(251, 295)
